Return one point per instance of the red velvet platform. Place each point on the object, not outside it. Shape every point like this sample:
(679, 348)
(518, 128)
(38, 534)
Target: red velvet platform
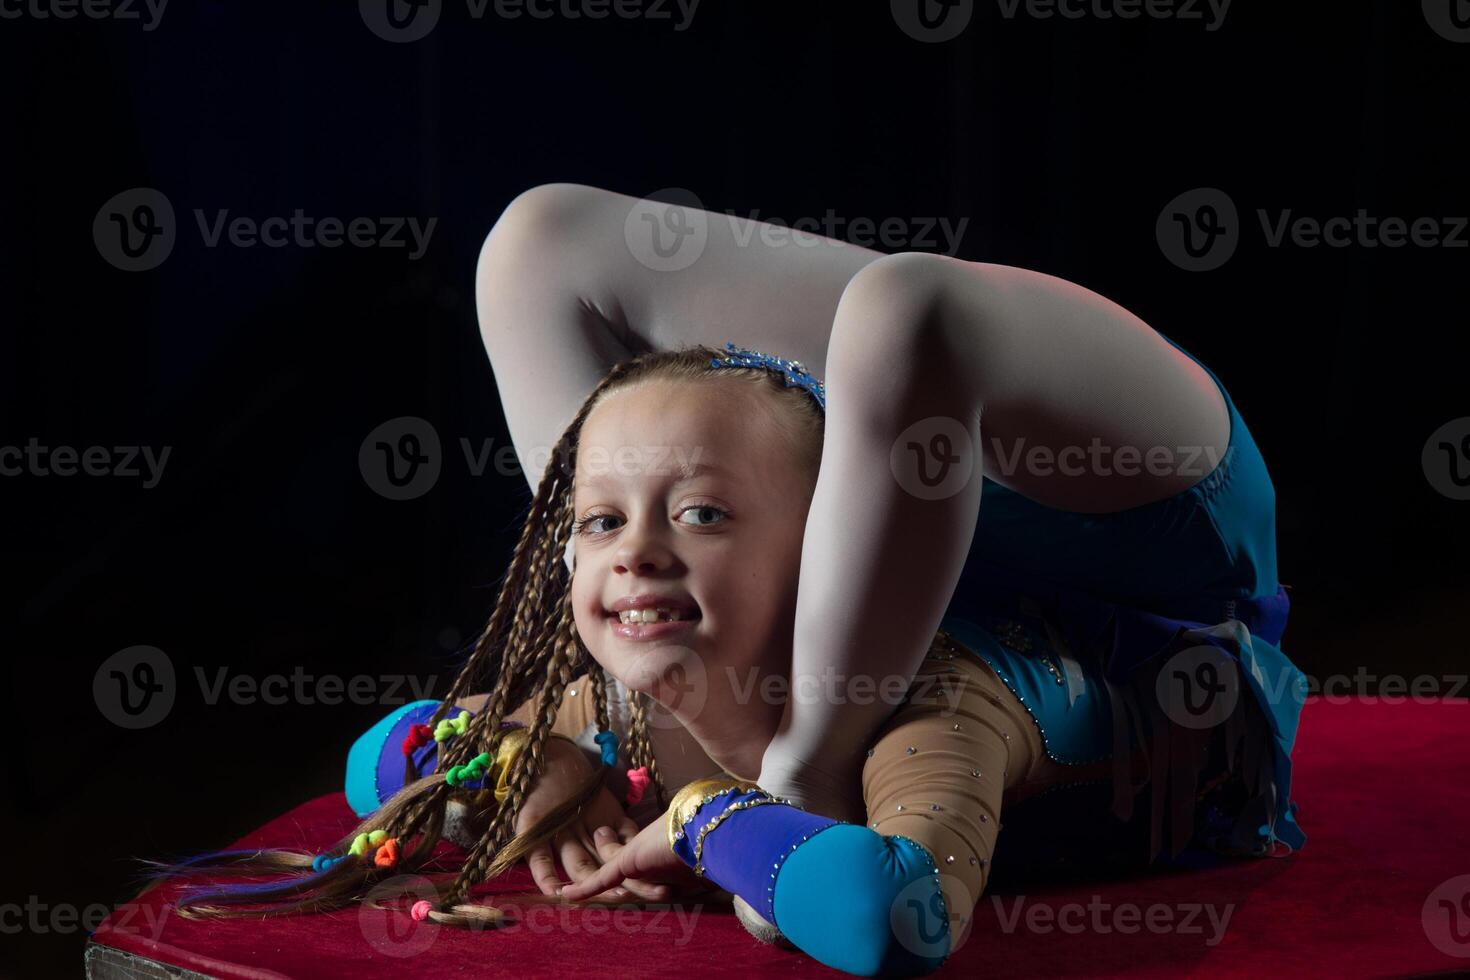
(1384, 799)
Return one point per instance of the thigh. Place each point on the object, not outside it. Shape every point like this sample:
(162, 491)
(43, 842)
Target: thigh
(1083, 406)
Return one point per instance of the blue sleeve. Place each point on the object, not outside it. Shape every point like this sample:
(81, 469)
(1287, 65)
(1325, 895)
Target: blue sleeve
(846, 895)
(375, 761)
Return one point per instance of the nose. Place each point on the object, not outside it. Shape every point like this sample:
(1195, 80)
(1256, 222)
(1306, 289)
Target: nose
(642, 550)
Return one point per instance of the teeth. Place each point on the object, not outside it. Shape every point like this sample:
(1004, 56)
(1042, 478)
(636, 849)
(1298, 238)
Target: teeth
(648, 615)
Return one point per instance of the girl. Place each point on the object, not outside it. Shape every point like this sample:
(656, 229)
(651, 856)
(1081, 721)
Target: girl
(715, 542)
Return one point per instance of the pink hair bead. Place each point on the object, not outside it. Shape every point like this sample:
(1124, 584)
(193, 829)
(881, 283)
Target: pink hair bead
(638, 781)
(420, 911)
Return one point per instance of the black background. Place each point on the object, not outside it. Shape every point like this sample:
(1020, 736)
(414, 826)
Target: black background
(263, 550)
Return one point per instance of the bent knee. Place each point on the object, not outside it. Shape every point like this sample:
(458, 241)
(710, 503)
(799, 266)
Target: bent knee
(902, 308)
(541, 219)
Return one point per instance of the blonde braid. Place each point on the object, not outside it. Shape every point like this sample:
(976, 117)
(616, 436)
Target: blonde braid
(642, 747)
(529, 763)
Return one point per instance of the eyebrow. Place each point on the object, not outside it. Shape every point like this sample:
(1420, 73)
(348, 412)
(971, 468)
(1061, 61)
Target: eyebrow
(692, 473)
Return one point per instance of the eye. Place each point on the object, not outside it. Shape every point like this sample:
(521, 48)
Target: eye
(579, 527)
(704, 509)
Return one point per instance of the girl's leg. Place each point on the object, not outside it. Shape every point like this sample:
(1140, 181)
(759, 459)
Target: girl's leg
(565, 289)
(573, 279)
(923, 345)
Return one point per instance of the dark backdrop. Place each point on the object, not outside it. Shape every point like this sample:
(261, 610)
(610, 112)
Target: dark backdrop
(262, 549)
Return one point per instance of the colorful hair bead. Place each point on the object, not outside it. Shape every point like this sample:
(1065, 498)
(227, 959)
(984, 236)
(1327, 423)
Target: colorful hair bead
(638, 780)
(387, 855)
(420, 910)
(418, 736)
(450, 727)
(609, 742)
(472, 770)
(362, 843)
(324, 862)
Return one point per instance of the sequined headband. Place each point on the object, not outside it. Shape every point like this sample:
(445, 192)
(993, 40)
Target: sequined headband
(795, 374)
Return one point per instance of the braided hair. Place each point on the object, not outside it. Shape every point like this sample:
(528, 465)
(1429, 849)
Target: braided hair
(528, 653)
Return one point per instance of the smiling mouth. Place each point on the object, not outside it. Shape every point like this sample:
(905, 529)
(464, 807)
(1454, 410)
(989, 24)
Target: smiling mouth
(667, 622)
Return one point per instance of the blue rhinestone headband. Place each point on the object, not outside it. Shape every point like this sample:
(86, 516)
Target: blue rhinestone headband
(796, 375)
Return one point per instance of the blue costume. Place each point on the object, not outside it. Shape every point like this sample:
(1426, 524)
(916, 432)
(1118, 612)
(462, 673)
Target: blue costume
(1094, 621)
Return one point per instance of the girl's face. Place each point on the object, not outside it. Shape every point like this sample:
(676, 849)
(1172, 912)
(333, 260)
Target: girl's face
(692, 493)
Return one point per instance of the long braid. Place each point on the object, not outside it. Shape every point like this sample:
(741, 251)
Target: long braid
(529, 762)
(526, 652)
(641, 749)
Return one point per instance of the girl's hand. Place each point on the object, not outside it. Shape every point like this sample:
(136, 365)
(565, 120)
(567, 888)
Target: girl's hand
(566, 767)
(646, 858)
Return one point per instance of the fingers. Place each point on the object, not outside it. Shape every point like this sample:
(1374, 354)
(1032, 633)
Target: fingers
(606, 877)
(574, 858)
(608, 847)
(543, 869)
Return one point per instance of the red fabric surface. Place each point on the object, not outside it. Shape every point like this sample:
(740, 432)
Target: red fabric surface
(1383, 800)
